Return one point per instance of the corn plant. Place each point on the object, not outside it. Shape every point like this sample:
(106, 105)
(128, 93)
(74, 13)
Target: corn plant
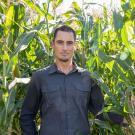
(25, 46)
(106, 49)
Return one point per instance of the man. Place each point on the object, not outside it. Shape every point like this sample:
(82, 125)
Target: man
(63, 92)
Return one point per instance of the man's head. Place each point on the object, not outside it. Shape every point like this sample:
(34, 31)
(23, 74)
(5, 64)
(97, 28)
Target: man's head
(65, 29)
(64, 43)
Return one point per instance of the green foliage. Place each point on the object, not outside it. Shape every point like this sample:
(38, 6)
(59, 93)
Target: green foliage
(106, 49)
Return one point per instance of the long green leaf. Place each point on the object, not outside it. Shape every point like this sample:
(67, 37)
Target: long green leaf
(24, 40)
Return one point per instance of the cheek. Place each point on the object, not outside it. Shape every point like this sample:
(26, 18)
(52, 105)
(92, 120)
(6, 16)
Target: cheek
(57, 51)
(71, 50)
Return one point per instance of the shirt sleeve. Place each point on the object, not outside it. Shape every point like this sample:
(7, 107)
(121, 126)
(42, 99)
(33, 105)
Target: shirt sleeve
(30, 107)
(96, 98)
(96, 104)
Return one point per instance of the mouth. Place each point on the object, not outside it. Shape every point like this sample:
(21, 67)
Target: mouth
(64, 54)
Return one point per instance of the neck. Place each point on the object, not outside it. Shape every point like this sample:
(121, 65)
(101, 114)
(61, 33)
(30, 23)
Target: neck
(64, 67)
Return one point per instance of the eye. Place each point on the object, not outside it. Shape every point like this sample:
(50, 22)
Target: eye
(69, 43)
(60, 42)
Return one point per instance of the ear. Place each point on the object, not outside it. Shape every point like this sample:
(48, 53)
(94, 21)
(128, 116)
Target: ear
(52, 44)
(75, 46)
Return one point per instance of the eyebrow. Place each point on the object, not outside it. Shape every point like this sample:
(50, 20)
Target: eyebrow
(70, 41)
(59, 41)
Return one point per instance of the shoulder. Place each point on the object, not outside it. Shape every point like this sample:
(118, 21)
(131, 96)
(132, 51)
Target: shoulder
(42, 71)
(84, 71)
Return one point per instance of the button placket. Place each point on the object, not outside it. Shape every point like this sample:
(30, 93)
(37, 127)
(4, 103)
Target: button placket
(66, 101)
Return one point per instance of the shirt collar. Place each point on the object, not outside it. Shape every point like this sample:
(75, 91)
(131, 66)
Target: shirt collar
(53, 68)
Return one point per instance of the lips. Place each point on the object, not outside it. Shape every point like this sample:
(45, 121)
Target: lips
(64, 54)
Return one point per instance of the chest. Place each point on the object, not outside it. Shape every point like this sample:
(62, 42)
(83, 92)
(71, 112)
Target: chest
(61, 90)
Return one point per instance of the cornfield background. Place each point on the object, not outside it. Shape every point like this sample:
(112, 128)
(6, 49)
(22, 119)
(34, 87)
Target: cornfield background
(106, 47)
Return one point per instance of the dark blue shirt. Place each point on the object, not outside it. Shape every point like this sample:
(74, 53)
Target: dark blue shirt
(63, 100)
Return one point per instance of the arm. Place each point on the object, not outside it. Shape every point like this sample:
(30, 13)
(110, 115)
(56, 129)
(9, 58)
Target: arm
(96, 99)
(96, 104)
(30, 107)
(113, 117)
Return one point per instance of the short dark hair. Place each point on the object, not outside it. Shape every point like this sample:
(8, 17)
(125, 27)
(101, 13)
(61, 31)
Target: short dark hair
(64, 28)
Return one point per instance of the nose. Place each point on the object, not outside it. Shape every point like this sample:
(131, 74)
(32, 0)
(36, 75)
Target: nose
(65, 46)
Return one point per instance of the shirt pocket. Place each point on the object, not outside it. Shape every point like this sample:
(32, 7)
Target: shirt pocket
(51, 95)
(82, 88)
(81, 93)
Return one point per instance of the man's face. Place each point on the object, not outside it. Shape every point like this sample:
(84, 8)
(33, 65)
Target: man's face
(64, 46)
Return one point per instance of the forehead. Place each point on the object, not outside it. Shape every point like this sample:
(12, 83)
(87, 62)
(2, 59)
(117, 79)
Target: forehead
(63, 35)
